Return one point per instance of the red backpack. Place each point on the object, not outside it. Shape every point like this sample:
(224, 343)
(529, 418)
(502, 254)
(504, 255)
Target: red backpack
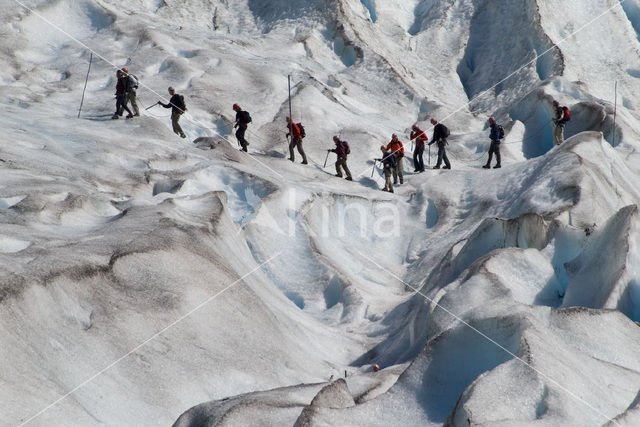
(566, 113)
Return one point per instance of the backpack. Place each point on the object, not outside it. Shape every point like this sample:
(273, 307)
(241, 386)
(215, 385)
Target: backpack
(500, 132)
(180, 104)
(245, 117)
(567, 113)
(302, 132)
(446, 132)
(347, 149)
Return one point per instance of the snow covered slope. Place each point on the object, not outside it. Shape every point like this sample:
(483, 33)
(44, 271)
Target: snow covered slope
(150, 280)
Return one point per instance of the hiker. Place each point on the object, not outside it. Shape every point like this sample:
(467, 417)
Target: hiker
(342, 150)
(389, 161)
(178, 107)
(440, 134)
(420, 137)
(560, 120)
(243, 118)
(130, 89)
(396, 147)
(296, 141)
(496, 134)
(121, 96)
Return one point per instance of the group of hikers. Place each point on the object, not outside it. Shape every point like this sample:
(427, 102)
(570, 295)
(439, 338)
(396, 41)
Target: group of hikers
(392, 153)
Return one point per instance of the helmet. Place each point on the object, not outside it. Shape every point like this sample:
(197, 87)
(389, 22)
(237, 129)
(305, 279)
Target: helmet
(414, 127)
(125, 69)
(383, 148)
(171, 89)
(434, 121)
(556, 103)
(492, 119)
(394, 136)
(236, 107)
(336, 138)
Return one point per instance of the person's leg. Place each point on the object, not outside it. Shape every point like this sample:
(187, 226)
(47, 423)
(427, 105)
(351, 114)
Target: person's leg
(133, 99)
(240, 135)
(558, 135)
(497, 151)
(491, 148)
(301, 151)
(292, 144)
(346, 168)
(175, 121)
(416, 164)
(420, 158)
(399, 169)
(440, 151)
(338, 171)
(445, 158)
(561, 135)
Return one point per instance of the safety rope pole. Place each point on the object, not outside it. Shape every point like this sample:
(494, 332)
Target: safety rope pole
(85, 83)
(615, 108)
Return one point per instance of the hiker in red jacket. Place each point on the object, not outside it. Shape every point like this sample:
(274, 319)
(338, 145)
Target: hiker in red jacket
(420, 137)
(296, 141)
(396, 147)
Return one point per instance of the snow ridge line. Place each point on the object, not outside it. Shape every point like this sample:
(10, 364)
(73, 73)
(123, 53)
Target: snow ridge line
(151, 338)
(492, 341)
(189, 117)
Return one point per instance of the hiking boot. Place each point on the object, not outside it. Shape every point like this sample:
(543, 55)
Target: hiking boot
(182, 135)
(115, 116)
(486, 167)
(338, 175)
(304, 162)
(130, 116)
(384, 189)
(349, 178)
(436, 167)
(395, 182)
(447, 167)
(497, 167)
(391, 191)
(291, 159)
(401, 181)
(136, 115)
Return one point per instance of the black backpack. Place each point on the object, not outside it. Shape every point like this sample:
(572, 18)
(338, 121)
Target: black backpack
(180, 103)
(245, 117)
(446, 132)
(347, 149)
(302, 131)
(500, 132)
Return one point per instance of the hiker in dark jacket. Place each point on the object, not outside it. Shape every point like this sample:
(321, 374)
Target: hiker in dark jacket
(559, 120)
(177, 105)
(421, 137)
(494, 136)
(121, 95)
(388, 165)
(242, 121)
(296, 141)
(341, 152)
(440, 133)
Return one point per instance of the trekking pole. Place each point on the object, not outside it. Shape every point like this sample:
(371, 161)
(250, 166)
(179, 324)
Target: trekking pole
(85, 84)
(325, 159)
(374, 167)
(429, 161)
(153, 105)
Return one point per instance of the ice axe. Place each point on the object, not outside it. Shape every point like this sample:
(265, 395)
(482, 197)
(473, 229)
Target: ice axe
(374, 167)
(325, 159)
(429, 161)
(152, 105)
